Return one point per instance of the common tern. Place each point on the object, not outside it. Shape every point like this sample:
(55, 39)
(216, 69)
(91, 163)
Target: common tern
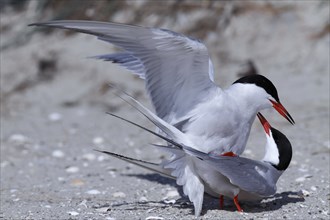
(234, 177)
(179, 79)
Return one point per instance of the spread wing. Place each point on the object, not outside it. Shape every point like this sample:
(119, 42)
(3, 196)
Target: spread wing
(177, 69)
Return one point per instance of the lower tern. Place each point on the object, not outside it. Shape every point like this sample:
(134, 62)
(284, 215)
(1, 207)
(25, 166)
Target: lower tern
(179, 79)
(235, 177)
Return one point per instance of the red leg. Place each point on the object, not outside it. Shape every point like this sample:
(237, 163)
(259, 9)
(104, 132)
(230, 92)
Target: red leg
(229, 154)
(237, 204)
(221, 201)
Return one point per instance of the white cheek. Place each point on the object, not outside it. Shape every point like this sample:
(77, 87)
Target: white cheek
(271, 153)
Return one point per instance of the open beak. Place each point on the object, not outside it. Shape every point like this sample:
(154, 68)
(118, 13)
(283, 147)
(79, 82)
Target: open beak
(280, 109)
(264, 123)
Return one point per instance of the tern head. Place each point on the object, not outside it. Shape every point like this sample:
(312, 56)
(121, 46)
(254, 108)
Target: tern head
(278, 148)
(266, 93)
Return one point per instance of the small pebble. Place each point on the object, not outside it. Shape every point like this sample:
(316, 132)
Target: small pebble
(89, 157)
(308, 176)
(304, 170)
(18, 139)
(73, 213)
(150, 210)
(85, 164)
(143, 199)
(103, 209)
(58, 153)
(171, 201)
(100, 158)
(83, 203)
(72, 169)
(314, 188)
(303, 193)
(303, 178)
(54, 116)
(119, 195)
(324, 212)
(293, 162)
(3, 164)
(110, 168)
(154, 218)
(98, 140)
(77, 182)
(300, 179)
(112, 174)
(172, 194)
(93, 192)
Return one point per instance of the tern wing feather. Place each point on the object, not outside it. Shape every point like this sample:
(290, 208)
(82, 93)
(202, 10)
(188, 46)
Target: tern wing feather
(250, 175)
(186, 176)
(172, 132)
(179, 168)
(172, 64)
(126, 60)
(144, 164)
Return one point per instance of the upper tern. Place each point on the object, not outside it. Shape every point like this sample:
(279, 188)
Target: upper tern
(235, 177)
(178, 75)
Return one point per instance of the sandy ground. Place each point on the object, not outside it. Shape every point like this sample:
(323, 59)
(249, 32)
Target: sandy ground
(53, 104)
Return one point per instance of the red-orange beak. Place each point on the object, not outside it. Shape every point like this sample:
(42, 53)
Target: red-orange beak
(264, 123)
(280, 109)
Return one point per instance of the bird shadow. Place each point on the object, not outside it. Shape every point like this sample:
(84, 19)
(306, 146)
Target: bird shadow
(151, 206)
(155, 177)
(275, 202)
(272, 203)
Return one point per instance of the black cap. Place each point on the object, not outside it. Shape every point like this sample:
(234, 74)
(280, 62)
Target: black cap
(262, 82)
(284, 149)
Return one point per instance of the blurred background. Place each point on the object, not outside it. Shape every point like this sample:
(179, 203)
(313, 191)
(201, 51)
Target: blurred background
(53, 99)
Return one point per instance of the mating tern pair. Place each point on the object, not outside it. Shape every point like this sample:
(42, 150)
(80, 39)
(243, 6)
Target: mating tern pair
(178, 76)
(218, 175)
